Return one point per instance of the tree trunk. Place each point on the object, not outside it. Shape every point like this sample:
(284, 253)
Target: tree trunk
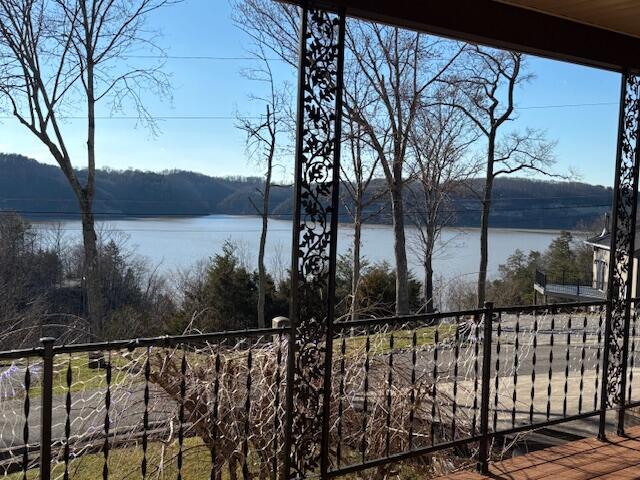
(400, 250)
(90, 239)
(355, 273)
(428, 272)
(484, 224)
(95, 302)
(262, 272)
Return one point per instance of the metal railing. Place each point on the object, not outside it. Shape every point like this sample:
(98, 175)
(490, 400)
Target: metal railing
(541, 278)
(402, 388)
(569, 285)
(443, 381)
(149, 404)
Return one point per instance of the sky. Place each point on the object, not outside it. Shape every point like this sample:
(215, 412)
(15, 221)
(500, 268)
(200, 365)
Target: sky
(576, 106)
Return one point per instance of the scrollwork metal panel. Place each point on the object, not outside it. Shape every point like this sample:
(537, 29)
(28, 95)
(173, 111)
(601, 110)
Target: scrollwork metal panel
(622, 242)
(315, 232)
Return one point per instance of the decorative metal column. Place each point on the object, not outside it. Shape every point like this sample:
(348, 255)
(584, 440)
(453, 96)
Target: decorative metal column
(621, 255)
(314, 239)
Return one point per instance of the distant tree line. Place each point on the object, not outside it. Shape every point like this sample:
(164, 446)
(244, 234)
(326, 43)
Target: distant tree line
(36, 190)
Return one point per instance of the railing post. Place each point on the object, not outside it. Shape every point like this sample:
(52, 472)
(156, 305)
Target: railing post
(623, 227)
(46, 408)
(483, 453)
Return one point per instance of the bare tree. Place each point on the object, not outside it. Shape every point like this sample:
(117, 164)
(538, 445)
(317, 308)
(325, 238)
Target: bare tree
(263, 137)
(358, 173)
(71, 55)
(400, 66)
(439, 143)
(487, 82)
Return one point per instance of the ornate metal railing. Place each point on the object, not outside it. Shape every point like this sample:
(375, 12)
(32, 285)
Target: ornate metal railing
(410, 387)
(210, 406)
(444, 385)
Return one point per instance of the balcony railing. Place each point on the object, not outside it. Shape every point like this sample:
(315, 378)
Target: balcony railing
(213, 405)
(569, 286)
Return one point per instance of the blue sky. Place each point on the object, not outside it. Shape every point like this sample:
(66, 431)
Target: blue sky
(585, 135)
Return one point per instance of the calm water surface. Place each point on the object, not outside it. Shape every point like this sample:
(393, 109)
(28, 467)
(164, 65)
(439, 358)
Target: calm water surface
(179, 243)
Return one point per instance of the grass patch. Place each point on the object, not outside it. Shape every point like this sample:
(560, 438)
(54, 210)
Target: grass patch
(125, 464)
(83, 378)
(380, 343)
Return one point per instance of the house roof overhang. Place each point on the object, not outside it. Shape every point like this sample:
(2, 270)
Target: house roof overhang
(597, 33)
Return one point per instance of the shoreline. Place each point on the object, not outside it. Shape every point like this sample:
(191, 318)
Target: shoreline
(101, 218)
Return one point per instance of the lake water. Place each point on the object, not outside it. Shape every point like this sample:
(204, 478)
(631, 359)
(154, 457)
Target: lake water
(178, 243)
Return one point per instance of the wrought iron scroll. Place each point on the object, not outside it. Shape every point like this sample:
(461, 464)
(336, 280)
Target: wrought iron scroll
(622, 244)
(315, 237)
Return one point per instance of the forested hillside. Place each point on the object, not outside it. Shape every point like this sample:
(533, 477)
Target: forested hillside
(35, 189)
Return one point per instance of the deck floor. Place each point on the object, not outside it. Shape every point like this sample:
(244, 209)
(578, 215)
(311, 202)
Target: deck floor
(617, 458)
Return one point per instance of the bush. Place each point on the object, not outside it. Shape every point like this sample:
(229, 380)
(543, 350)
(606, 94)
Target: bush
(226, 298)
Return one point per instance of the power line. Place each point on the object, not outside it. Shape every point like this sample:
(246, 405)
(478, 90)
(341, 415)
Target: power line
(202, 57)
(164, 117)
(568, 105)
(231, 117)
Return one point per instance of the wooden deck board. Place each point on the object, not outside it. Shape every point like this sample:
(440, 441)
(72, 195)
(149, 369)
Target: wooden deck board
(616, 458)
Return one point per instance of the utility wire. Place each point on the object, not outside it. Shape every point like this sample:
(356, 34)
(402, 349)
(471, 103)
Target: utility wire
(231, 117)
(201, 57)
(134, 117)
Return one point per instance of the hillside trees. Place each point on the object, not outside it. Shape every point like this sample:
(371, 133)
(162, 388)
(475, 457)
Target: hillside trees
(42, 291)
(71, 55)
(567, 258)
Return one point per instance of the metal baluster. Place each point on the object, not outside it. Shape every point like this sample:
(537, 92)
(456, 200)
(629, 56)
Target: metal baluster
(514, 396)
(456, 356)
(598, 358)
(476, 373)
(632, 356)
(497, 380)
(145, 415)
(566, 368)
(550, 375)
(583, 354)
(214, 427)
(389, 398)
(183, 394)
(434, 389)
(343, 350)
(247, 423)
(365, 405)
(67, 423)
(533, 366)
(276, 407)
(414, 344)
(107, 420)
(27, 409)
(46, 407)
(484, 446)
